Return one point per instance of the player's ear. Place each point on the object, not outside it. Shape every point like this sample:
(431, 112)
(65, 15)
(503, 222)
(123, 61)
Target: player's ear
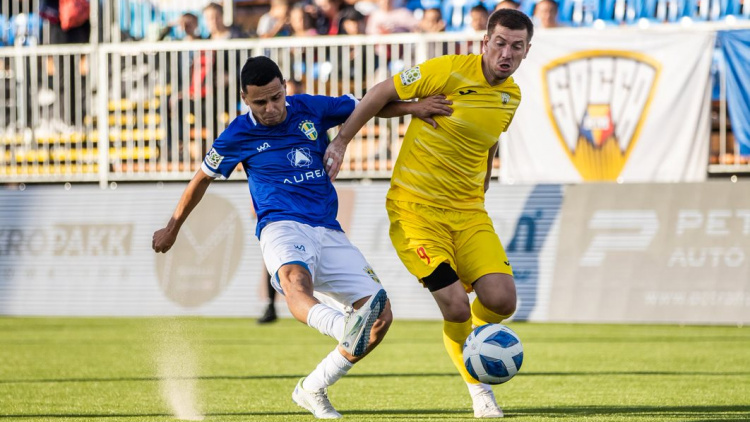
(528, 47)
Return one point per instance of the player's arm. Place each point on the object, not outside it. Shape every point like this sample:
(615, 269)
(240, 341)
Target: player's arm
(164, 238)
(424, 109)
(374, 101)
(490, 158)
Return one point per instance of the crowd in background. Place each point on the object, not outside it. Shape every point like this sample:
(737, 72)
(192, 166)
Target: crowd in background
(340, 17)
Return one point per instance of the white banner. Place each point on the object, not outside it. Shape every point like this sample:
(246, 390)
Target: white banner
(86, 251)
(668, 253)
(622, 104)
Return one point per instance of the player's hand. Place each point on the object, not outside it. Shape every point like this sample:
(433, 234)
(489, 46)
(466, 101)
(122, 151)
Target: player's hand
(333, 157)
(163, 240)
(429, 107)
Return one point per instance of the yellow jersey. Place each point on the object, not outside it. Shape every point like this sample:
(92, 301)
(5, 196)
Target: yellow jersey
(446, 167)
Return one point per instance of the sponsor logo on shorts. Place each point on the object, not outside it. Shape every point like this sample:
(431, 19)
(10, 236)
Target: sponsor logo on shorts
(409, 76)
(368, 269)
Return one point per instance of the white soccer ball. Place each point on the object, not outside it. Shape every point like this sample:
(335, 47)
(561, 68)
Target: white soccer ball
(493, 354)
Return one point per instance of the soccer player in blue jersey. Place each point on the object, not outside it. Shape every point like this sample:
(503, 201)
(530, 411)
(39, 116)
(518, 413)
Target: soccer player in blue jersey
(280, 144)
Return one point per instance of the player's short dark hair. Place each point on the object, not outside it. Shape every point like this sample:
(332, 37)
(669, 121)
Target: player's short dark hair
(511, 19)
(259, 71)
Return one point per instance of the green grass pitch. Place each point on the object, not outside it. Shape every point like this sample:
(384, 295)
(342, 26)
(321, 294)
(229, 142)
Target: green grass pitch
(106, 369)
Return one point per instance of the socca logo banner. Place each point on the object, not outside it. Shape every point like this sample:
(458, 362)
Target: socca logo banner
(597, 101)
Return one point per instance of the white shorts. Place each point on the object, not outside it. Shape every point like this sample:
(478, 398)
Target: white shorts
(338, 268)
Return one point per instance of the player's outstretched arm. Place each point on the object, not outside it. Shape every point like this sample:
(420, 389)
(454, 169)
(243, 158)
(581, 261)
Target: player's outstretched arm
(374, 101)
(164, 238)
(425, 109)
(490, 158)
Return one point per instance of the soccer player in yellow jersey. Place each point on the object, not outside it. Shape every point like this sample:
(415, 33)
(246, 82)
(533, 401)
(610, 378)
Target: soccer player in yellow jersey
(439, 225)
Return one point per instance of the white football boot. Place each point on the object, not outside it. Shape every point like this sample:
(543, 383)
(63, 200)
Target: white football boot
(485, 406)
(315, 401)
(359, 323)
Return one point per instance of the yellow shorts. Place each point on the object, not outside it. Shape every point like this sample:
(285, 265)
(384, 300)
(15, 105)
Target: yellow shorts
(425, 237)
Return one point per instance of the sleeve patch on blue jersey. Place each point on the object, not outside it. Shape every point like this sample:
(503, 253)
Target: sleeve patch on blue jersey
(213, 158)
(409, 76)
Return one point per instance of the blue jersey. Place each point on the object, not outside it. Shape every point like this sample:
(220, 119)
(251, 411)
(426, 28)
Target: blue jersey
(284, 163)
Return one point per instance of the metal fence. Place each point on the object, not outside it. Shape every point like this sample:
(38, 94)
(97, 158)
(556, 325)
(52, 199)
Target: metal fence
(149, 111)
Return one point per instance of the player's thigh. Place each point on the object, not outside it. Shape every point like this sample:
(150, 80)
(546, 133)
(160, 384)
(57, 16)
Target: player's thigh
(343, 273)
(420, 238)
(478, 249)
(288, 242)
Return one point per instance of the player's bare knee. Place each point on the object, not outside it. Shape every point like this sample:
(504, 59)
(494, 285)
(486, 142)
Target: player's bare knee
(457, 312)
(506, 307)
(501, 304)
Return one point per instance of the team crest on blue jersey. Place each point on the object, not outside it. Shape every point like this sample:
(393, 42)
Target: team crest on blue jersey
(308, 128)
(300, 157)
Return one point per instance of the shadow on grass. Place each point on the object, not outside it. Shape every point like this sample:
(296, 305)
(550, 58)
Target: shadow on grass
(378, 375)
(692, 413)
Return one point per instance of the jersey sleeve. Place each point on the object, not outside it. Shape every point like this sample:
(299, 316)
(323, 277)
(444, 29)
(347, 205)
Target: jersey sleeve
(423, 80)
(335, 110)
(222, 159)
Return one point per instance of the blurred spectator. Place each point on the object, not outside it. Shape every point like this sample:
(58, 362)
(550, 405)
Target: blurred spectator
(213, 13)
(352, 22)
(301, 21)
(328, 19)
(508, 4)
(187, 24)
(479, 15)
(545, 14)
(275, 22)
(432, 21)
(49, 10)
(391, 18)
(60, 32)
(294, 87)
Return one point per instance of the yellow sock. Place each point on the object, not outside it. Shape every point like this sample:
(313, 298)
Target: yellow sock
(480, 315)
(454, 335)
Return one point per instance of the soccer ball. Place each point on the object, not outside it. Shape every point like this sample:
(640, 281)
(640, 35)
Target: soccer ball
(493, 354)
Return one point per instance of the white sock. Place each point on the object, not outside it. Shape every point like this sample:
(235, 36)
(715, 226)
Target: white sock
(329, 370)
(326, 320)
(475, 389)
